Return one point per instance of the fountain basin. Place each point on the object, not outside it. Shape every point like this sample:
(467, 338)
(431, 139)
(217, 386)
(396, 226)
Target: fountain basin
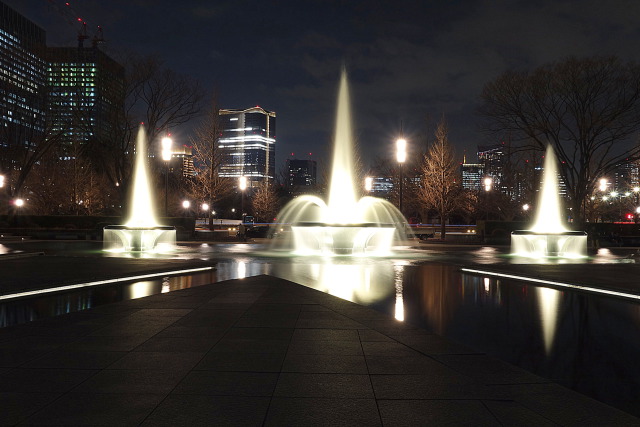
(136, 239)
(315, 238)
(569, 244)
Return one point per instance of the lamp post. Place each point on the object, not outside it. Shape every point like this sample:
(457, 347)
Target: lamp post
(166, 156)
(242, 184)
(401, 157)
(488, 184)
(205, 209)
(368, 184)
(186, 205)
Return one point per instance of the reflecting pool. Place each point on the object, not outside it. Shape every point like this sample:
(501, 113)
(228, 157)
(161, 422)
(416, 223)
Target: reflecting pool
(584, 341)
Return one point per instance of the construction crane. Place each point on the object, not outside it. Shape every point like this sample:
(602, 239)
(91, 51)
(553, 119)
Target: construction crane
(70, 15)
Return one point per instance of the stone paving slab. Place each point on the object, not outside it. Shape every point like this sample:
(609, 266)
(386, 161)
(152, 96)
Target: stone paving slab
(264, 351)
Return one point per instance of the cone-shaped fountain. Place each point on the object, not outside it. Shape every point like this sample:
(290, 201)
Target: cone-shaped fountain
(141, 232)
(548, 237)
(344, 225)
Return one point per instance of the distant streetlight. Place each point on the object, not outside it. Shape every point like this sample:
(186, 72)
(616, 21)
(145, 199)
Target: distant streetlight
(488, 183)
(602, 184)
(525, 207)
(242, 184)
(18, 202)
(205, 210)
(166, 156)
(368, 183)
(1, 181)
(186, 205)
(401, 157)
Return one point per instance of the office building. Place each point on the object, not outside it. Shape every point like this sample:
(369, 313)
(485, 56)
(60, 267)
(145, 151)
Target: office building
(492, 158)
(301, 173)
(85, 93)
(472, 176)
(182, 161)
(626, 175)
(248, 144)
(22, 83)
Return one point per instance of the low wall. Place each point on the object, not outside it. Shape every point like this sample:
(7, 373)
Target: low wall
(58, 227)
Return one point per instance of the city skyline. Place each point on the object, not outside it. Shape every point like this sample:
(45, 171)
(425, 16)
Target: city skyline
(409, 62)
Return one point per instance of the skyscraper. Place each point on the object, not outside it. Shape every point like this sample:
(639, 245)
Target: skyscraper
(248, 144)
(85, 93)
(22, 82)
(301, 173)
(472, 176)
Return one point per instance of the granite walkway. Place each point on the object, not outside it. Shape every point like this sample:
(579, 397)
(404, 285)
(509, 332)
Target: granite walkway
(264, 351)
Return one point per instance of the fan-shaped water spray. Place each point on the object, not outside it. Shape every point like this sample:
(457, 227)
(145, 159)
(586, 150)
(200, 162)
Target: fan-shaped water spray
(345, 224)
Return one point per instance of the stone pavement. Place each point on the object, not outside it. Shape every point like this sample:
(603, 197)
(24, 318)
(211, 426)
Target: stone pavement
(264, 351)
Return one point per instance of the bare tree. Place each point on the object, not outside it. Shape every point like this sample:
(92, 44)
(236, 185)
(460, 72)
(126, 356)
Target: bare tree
(153, 95)
(24, 141)
(441, 188)
(589, 109)
(265, 202)
(206, 184)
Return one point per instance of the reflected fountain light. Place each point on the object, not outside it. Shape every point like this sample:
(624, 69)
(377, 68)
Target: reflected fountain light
(242, 270)
(548, 237)
(344, 225)
(141, 232)
(166, 287)
(487, 282)
(362, 283)
(549, 303)
(140, 289)
(398, 270)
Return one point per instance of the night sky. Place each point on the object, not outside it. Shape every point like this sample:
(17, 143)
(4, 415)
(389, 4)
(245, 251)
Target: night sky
(409, 62)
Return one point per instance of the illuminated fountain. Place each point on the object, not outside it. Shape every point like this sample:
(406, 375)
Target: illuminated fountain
(549, 237)
(141, 232)
(344, 225)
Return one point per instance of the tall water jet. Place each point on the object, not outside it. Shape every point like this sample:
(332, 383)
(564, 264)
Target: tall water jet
(548, 237)
(141, 232)
(344, 225)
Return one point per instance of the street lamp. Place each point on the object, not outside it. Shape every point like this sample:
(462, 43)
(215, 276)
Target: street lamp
(205, 209)
(602, 184)
(242, 184)
(186, 205)
(488, 183)
(166, 156)
(368, 183)
(18, 202)
(401, 157)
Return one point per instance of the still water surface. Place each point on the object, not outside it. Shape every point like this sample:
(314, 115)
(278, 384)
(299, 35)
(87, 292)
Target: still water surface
(586, 342)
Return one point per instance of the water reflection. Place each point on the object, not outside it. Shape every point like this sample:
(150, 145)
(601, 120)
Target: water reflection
(548, 304)
(399, 270)
(362, 282)
(584, 341)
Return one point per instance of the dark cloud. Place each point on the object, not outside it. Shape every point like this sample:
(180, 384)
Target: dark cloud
(408, 61)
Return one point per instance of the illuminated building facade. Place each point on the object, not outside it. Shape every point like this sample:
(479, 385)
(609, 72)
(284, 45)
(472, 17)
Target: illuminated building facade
(85, 93)
(472, 176)
(22, 81)
(301, 173)
(248, 144)
(183, 165)
(492, 158)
